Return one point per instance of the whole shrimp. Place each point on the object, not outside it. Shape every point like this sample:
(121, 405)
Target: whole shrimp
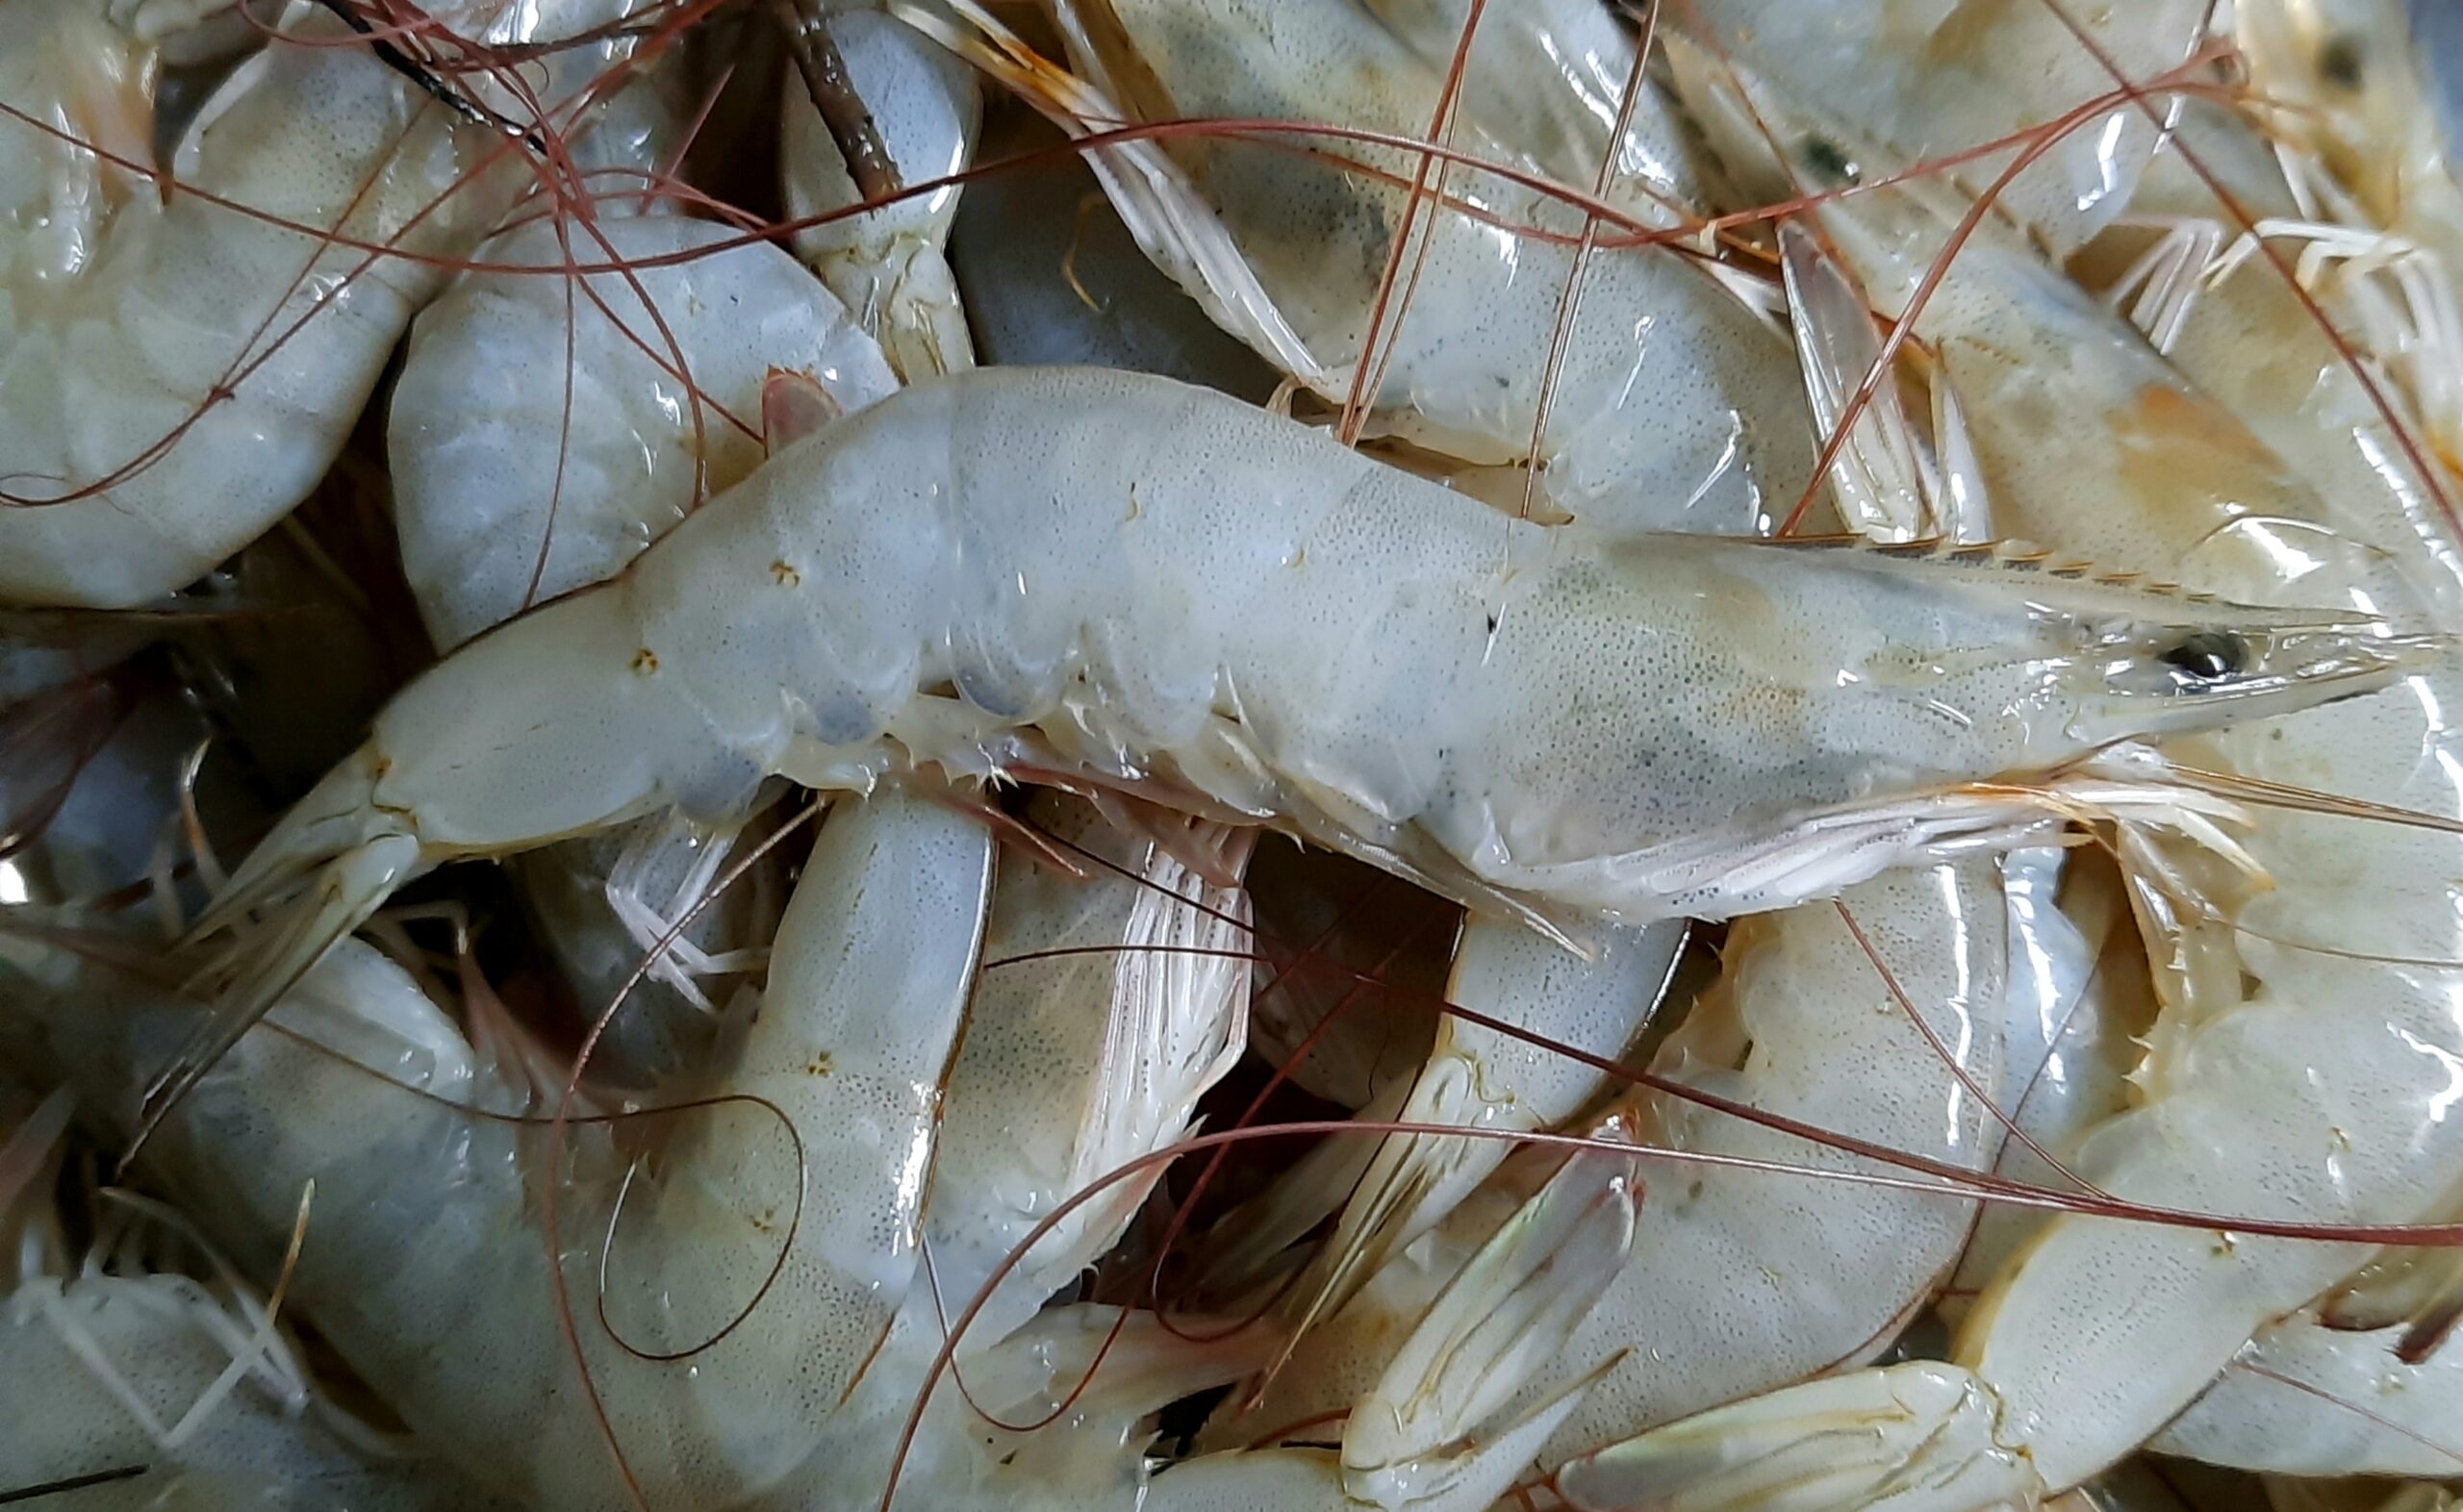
(177, 370)
(2279, 1081)
(1155, 586)
(1674, 404)
(657, 384)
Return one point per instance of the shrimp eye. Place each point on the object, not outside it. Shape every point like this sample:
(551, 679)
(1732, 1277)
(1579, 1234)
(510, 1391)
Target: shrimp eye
(1831, 160)
(2207, 655)
(2339, 59)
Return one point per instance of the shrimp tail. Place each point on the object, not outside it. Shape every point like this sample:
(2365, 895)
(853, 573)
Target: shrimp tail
(328, 866)
(1920, 1433)
(1421, 1439)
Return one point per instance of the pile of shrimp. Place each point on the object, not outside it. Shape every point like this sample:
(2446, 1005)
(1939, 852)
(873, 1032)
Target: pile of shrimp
(1199, 755)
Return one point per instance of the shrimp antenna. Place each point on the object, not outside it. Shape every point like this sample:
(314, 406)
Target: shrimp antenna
(429, 83)
(53, 1488)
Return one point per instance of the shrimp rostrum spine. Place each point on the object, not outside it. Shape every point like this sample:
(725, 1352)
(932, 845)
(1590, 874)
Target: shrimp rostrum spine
(1146, 585)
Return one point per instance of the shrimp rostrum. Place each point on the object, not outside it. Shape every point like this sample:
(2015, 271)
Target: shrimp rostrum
(1120, 580)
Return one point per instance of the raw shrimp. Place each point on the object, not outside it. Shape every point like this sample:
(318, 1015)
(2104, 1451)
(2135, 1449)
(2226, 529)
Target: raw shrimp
(651, 382)
(1674, 405)
(176, 374)
(2353, 91)
(888, 265)
(2280, 1081)
(1745, 1280)
(2307, 1398)
(173, 1390)
(1157, 587)
(2072, 1041)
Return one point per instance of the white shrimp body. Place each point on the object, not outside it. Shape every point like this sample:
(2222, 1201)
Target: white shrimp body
(1158, 586)
(151, 378)
(2305, 1396)
(2279, 1082)
(890, 265)
(2310, 1398)
(2072, 1038)
(2357, 94)
(1674, 406)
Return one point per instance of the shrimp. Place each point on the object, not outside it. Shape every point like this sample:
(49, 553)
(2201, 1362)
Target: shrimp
(2306, 1395)
(1674, 404)
(2073, 1042)
(176, 373)
(2279, 1080)
(661, 396)
(159, 1389)
(2354, 99)
(1229, 610)
(1745, 1280)
(889, 264)
(2306, 1398)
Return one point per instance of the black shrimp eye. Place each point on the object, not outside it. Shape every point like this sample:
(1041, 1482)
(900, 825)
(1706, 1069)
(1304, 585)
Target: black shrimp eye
(1830, 161)
(2208, 655)
(2340, 60)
